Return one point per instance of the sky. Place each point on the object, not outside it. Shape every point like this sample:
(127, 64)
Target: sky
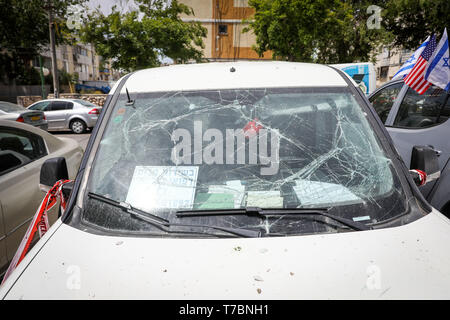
(105, 5)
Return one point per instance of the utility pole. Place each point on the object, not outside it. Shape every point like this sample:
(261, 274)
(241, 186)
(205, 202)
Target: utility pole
(51, 28)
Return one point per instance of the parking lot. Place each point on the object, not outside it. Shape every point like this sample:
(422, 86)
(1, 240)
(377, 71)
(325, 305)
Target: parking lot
(81, 138)
(245, 152)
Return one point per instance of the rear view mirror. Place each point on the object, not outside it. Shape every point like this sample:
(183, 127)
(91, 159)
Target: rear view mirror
(52, 170)
(424, 165)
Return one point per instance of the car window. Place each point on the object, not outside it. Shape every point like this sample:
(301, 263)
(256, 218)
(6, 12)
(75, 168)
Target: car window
(240, 148)
(421, 111)
(40, 106)
(58, 105)
(86, 103)
(69, 106)
(10, 107)
(384, 99)
(19, 147)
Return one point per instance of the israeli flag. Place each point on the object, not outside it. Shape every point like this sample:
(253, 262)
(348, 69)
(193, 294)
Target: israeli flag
(409, 64)
(438, 70)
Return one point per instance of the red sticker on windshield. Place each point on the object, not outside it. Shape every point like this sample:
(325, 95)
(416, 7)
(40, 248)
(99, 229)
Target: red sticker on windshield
(252, 128)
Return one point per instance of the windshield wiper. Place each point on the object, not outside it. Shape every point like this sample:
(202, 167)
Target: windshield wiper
(137, 213)
(259, 212)
(164, 224)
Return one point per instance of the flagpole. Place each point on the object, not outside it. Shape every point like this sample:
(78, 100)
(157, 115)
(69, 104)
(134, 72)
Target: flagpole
(442, 107)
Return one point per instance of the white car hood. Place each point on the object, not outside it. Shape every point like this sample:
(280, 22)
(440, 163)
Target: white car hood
(407, 262)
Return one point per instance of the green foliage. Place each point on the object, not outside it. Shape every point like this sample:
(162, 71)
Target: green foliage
(323, 31)
(137, 39)
(411, 21)
(66, 78)
(24, 32)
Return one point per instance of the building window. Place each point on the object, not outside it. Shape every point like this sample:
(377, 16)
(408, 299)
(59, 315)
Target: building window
(240, 3)
(81, 51)
(223, 29)
(384, 72)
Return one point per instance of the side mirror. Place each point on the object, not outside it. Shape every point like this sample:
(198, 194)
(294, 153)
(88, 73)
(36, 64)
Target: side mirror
(424, 165)
(52, 170)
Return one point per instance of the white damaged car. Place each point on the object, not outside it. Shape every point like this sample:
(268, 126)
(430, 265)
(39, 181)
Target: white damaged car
(243, 180)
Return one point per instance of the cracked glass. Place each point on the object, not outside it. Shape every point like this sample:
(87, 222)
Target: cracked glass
(234, 149)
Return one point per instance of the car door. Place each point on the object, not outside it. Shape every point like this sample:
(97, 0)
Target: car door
(3, 256)
(383, 100)
(57, 114)
(422, 120)
(21, 156)
(70, 111)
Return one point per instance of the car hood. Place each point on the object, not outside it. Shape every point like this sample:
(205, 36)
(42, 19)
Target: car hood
(406, 262)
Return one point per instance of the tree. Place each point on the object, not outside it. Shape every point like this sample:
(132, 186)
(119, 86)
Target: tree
(411, 21)
(24, 33)
(323, 31)
(137, 39)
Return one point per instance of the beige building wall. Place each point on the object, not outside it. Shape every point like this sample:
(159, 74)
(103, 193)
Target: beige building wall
(242, 39)
(217, 16)
(81, 59)
(389, 61)
(203, 9)
(240, 3)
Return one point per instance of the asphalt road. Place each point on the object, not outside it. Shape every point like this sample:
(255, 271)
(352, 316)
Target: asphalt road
(81, 138)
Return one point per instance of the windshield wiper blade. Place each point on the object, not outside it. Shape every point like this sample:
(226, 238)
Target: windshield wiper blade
(255, 211)
(140, 214)
(164, 224)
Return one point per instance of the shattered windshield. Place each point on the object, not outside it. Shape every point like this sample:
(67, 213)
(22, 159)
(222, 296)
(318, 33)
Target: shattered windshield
(241, 148)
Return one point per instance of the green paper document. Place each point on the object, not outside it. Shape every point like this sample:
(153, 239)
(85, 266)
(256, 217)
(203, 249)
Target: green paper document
(205, 201)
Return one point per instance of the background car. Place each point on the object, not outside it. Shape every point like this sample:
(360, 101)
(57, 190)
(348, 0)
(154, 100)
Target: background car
(23, 150)
(74, 114)
(413, 119)
(11, 111)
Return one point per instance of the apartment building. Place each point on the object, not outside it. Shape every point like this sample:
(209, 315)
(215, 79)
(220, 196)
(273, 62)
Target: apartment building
(389, 61)
(82, 60)
(223, 20)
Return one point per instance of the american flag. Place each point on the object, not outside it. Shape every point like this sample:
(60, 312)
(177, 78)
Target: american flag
(415, 79)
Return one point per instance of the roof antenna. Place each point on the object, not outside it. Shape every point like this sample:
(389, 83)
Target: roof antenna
(129, 102)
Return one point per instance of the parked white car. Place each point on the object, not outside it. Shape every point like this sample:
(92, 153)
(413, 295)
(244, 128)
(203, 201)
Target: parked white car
(242, 180)
(74, 114)
(23, 150)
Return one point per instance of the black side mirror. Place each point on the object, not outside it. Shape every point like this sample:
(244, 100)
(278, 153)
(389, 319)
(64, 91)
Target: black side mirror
(424, 165)
(53, 170)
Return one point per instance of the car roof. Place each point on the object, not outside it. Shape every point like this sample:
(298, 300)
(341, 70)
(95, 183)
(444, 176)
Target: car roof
(49, 139)
(233, 75)
(57, 99)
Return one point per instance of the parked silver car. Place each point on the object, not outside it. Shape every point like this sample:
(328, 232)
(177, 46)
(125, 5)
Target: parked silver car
(23, 150)
(413, 119)
(74, 114)
(11, 111)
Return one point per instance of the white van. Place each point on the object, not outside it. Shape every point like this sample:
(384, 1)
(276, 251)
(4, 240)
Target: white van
(241, 180)
(363, 73)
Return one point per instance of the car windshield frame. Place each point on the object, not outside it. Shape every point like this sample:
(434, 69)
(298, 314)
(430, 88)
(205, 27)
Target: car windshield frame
(379, 133)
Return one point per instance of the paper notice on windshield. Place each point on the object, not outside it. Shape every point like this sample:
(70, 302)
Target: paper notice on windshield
(321, 193)
(163, 187)
(264, 199)
(233, 187)
(204, 201)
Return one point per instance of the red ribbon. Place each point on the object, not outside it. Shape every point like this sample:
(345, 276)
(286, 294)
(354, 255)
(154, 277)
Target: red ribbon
(39, 223)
